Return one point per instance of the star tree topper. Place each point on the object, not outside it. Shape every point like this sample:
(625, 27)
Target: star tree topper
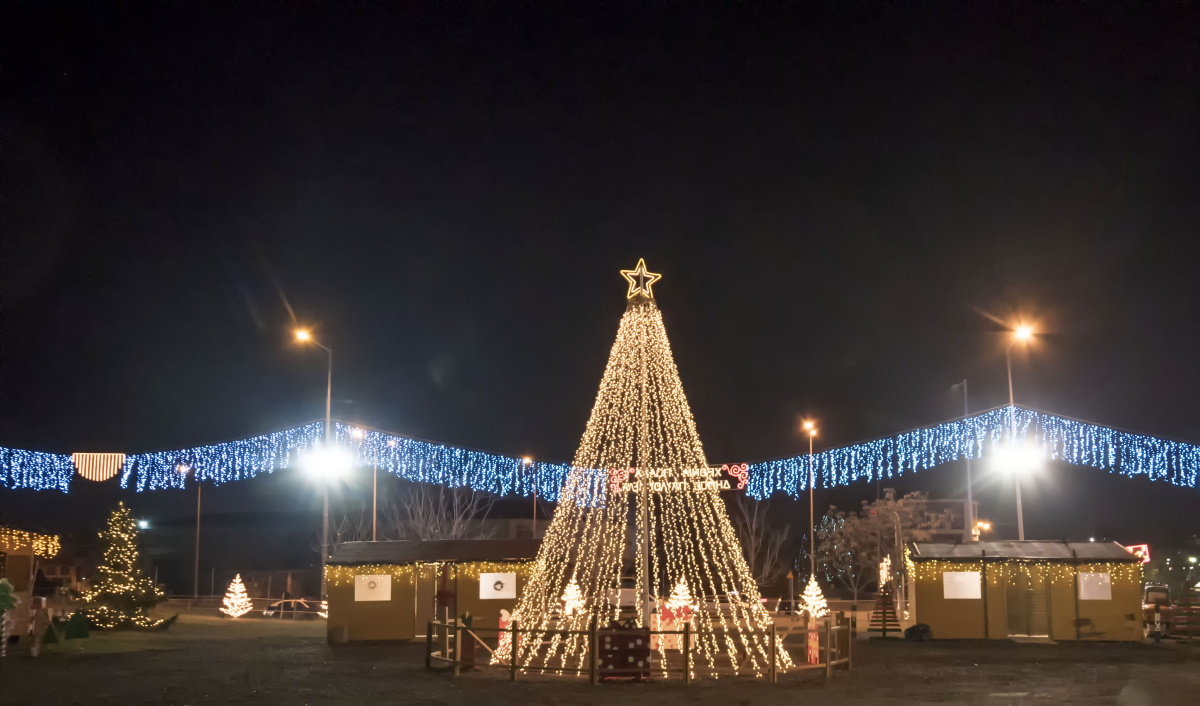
(640, 280)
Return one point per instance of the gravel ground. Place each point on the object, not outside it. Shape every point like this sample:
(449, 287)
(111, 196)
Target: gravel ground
(210, 661)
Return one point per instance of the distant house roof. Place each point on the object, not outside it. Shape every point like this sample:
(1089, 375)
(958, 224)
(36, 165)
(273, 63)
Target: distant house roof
(1030, 549)
(448, 550)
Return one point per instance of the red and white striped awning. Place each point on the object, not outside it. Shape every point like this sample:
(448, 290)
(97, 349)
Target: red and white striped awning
(98, 467)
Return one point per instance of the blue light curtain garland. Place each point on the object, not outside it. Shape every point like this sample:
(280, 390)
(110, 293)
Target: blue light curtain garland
(35, 469)
(1059, 438)
(1067, 440)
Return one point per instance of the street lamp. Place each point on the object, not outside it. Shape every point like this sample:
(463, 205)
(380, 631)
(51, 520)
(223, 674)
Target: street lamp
(1018, 459)
(143, 524)
(184, 468)
(811, 428)
(303, 335)
(1021, 334)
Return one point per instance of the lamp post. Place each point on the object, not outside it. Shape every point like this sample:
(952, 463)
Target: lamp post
(811, 428)
(1021, 334)
(305, 336)
(184, 468)
(970, 521)
(529, 464)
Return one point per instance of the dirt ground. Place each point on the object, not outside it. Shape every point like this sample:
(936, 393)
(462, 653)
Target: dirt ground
(206, 660)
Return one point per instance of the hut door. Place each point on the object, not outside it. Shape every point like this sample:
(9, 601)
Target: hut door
(1025, 594)
(424, 599)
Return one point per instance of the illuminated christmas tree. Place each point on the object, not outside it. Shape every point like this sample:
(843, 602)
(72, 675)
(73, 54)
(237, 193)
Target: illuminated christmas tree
(641, 487)
(572, 598)
(121, 596)
(679, 605)
(236, 603)
(813, 601)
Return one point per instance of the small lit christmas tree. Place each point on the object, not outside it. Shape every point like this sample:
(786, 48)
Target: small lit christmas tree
(572, 598)
(236, 603)
(122, 596)
(813, 601)
(679, 605)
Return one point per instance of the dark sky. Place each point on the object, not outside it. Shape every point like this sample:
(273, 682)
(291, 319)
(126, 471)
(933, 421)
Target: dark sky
(835, 198)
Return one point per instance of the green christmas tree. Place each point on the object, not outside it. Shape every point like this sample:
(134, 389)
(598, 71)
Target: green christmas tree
(122, 596)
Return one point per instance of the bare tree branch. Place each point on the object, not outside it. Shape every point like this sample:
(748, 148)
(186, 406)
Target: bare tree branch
(428, 511)
(762, 545)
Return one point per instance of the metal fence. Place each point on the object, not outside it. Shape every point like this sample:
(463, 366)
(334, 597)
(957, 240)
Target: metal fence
(451, 646)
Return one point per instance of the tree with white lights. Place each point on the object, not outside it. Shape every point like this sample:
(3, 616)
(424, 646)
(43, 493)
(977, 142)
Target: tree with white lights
(121, 596)
(813, 601)
(237, 603)
(572, 598)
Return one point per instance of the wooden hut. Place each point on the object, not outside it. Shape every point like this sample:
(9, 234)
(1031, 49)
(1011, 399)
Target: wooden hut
(391, 590)
(1002, 590)
(20, 553)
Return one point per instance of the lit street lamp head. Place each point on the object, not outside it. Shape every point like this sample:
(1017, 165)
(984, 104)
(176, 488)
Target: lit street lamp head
(326, 463)
(1018, 458)
(1023, 333)
(303, 335)
(810, 427)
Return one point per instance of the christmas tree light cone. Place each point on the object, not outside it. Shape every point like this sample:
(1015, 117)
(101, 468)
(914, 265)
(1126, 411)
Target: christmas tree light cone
(640, 479)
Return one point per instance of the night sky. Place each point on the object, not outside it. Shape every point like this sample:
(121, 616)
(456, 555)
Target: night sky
(847, 205)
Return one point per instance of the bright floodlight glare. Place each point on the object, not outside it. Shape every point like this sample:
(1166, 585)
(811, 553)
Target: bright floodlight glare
(303, 334)
(326, 463)
(1018, 458)
(143, 524)
(1023, 333)
(1191, 560)
(184, 468)
(527, 460)
(809, 425)
(356, 433)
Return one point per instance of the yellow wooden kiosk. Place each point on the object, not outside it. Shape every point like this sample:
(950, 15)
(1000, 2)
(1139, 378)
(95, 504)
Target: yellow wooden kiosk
(20, 552)
(1030, 589)
(383, 591)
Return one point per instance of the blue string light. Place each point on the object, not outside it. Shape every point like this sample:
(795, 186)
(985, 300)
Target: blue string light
(35, 470)
(220, 463)
(452, 466)
(1059, 438)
